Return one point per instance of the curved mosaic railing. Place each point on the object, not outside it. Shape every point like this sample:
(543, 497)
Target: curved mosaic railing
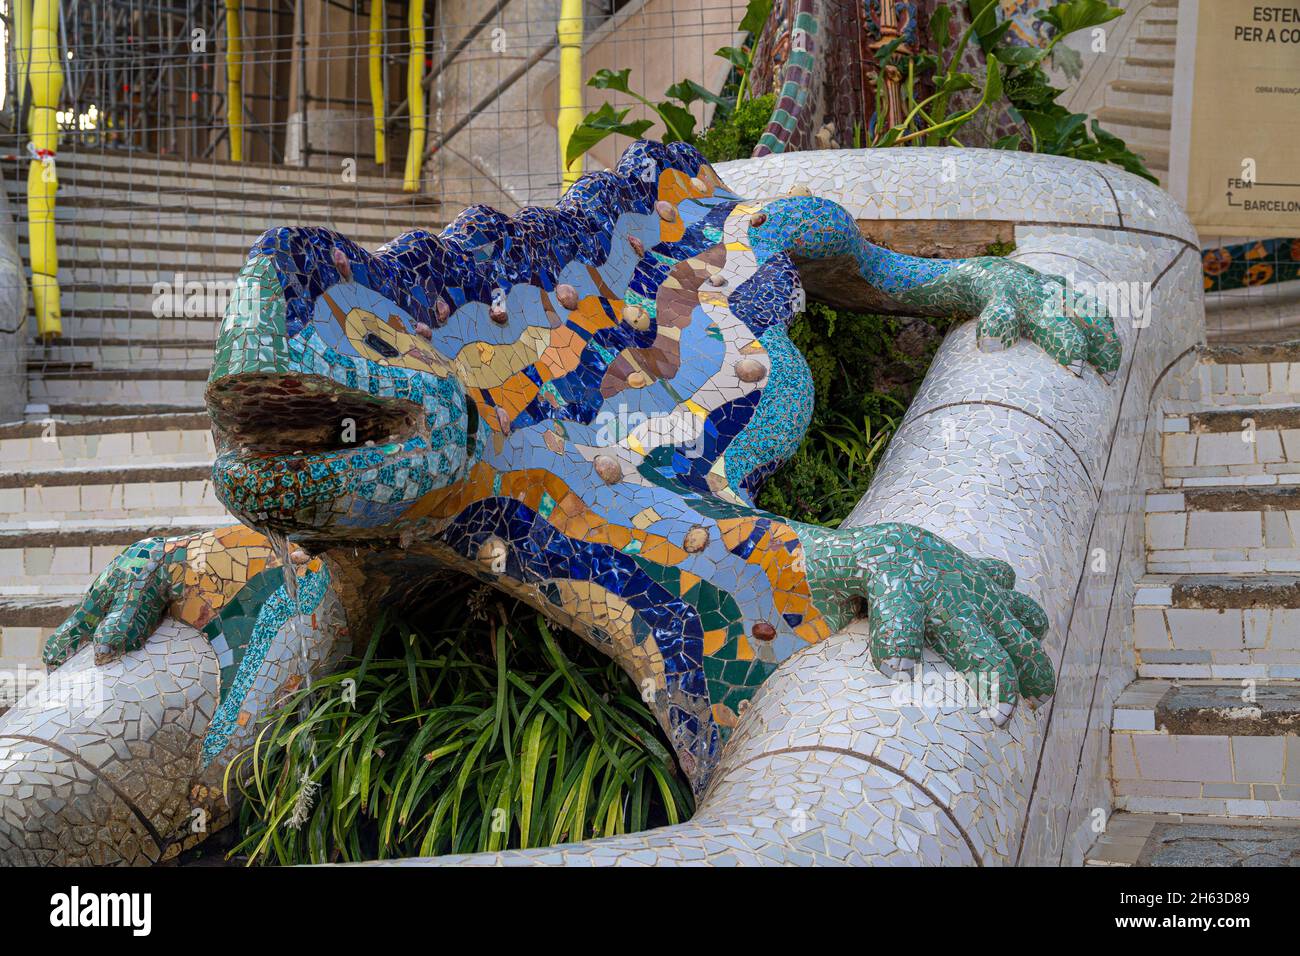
(1007, 455)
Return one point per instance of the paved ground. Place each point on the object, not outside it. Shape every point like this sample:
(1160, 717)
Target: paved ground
(1136, 839)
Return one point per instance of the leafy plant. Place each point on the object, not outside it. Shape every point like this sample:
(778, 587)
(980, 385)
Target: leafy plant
(674, 109)
(735, 135)
(865, 369)
(454, 739)
(1014, 76)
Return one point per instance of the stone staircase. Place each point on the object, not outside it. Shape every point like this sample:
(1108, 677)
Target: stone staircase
(1139, 101)
(1205, 752)
(116, 443)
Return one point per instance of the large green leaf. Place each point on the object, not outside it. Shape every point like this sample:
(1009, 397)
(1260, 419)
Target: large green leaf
(1075, 15)
(597, 125)
(756, 14)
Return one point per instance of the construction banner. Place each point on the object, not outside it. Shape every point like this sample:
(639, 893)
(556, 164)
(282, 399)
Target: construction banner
(1235, 148)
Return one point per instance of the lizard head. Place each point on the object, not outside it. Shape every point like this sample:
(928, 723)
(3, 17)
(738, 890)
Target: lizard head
(331, 412)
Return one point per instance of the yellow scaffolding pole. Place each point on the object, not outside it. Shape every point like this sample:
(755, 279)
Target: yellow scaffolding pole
(22, 33)
(569, 29)
(45, 74)
(415, 97)
(234, 81)
(377, 77)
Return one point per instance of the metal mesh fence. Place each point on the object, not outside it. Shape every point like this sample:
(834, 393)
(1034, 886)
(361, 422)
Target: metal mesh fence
(153, 218)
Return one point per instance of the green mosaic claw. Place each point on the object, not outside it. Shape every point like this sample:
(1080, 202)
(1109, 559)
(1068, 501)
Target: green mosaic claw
(922, 590)
(1010, 301)
(121, 608)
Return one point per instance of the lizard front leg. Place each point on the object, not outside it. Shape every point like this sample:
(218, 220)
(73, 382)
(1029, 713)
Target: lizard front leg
(919, 589)
(1008, 299)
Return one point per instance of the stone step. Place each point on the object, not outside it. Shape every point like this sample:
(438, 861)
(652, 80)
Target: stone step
(96, 299)
(96, 203)
(113, 491)
(1255, 445)
(65, 556)
(1159, 67)
(1159, 27)
(1136, 125)
(1151, 45)
(88, 236)
(160, 188)
(60, 384)
(1171, 839)
(127, 324)
(1224, 530)
(140, 439)
(1159, 88)
(1144, 95)
(165, 259)
(119, 167)
(1250, 374)
(119, 354)
(1217, 626)
(1204, 747)
(142, 387)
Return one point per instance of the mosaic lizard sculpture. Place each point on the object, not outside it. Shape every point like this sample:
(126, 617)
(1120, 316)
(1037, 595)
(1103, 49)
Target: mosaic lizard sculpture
(577, 405)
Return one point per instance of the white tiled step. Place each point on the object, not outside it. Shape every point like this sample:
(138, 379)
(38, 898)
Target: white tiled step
(1254, 445)
(125, 387)
(68, 554)
(119, 354)
(1224, 530)
(1208, 748)
(1235, 375)
(91, 324)
(1218, 626)
(141, 440)
(111, 491)
(139, 168)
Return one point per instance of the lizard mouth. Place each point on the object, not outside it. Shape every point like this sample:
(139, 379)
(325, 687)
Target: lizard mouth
(295, 453)
(272, 415)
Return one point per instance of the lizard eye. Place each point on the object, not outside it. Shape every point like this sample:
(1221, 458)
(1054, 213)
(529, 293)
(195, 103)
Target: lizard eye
(377, 344)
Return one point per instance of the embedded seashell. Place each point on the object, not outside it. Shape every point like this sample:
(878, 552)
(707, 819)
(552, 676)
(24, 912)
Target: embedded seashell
(637, 380)
(424, 331)
(717, 279)
(636, 317)
(699, 185)
(800, 191)
(697, 539)
(567, 295)
(758, 219)
(610, 471)
(762, 631)
(341, 263)
(443, 311)
(492, 553)
(299, 556)
(666, 210)
(497, 314)
(637, 245)
(750, 370)
(553, 441)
